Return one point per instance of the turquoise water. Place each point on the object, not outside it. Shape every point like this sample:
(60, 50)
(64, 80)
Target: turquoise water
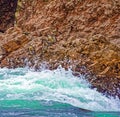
(56, 93)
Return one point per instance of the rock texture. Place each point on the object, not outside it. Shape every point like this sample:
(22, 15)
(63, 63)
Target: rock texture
(81, 34)
(7, 14)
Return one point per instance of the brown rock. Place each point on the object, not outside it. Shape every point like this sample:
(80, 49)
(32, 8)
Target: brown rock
(7, 14)
(82, 34)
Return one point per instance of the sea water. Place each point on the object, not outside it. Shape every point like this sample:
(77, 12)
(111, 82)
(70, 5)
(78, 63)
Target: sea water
(51, 93)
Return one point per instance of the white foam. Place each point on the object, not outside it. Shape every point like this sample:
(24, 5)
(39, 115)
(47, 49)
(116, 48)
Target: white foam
(57, 85)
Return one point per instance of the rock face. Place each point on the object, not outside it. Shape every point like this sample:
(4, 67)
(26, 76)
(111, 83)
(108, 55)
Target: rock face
(7, 14)
(82, 34)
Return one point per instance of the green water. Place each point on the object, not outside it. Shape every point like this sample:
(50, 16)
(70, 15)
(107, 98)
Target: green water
(57, 93)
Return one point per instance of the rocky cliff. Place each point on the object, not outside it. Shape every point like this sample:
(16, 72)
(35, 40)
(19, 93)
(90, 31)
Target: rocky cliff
(81, 34)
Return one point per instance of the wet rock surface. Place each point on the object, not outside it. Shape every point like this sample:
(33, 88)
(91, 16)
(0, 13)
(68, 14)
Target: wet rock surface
(81, 34)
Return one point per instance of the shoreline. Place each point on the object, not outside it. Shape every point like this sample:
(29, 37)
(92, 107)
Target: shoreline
(70, 33)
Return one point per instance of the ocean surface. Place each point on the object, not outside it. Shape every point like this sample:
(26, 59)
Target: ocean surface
(56, 93)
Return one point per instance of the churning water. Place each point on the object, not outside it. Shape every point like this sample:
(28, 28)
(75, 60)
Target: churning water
(51, 93)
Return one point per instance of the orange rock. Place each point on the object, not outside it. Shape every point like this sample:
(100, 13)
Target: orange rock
(72, 33)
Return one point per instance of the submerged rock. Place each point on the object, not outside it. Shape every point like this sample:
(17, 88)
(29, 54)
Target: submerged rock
(83, 35)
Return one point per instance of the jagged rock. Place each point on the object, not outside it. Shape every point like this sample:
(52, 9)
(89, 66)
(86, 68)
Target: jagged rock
(68, 33)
